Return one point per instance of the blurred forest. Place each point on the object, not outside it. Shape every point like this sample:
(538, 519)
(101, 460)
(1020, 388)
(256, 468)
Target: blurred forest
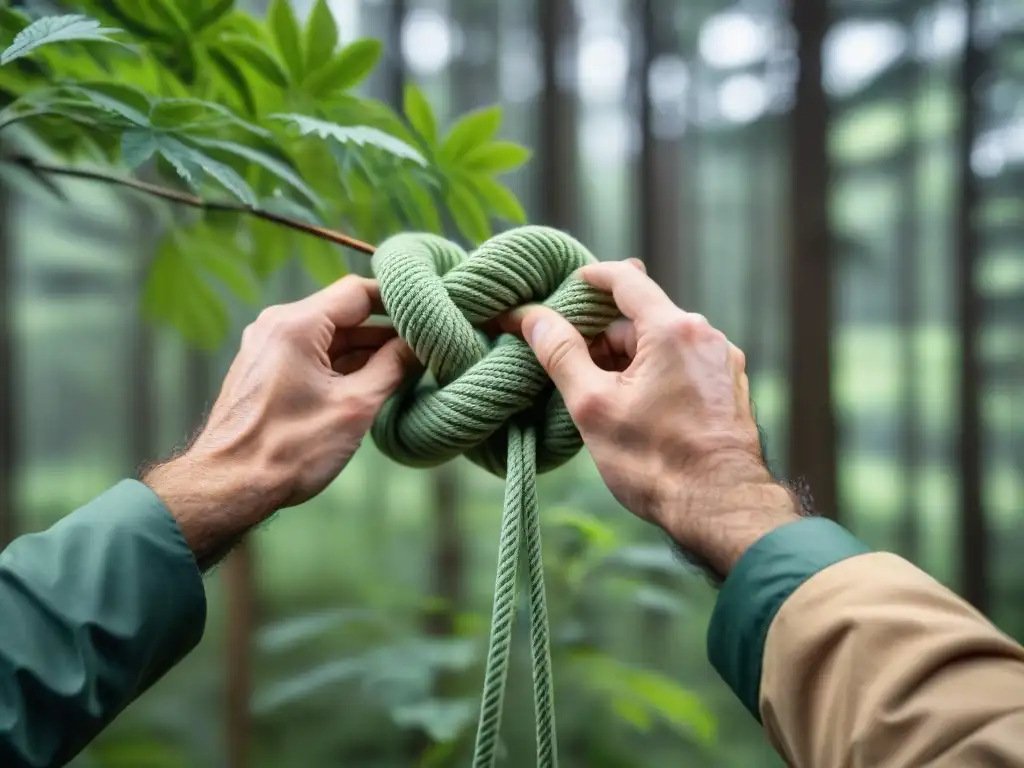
(836, 185)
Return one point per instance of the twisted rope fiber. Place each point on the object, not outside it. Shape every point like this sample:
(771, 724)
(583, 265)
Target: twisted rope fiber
(493, 403)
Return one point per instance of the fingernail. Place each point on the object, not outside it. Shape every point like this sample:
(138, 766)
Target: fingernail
(539, 329)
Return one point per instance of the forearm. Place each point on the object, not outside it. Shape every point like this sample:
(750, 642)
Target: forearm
(715, 532)
(214, 507)
(94, 610)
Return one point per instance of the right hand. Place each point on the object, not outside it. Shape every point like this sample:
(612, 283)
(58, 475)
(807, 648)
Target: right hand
(662, 401)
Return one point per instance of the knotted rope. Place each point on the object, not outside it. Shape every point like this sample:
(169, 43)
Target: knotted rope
(492, 403)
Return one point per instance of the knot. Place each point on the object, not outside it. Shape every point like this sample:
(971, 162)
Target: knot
(471, 388)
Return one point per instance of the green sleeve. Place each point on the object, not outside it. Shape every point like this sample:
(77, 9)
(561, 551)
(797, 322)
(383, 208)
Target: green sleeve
(92, 612)
(762, 580)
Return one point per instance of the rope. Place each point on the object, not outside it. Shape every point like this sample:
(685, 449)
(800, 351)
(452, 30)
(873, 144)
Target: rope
(492, 403)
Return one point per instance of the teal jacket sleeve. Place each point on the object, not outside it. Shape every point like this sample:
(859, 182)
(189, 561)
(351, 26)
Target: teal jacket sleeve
(762, 580)
(92, 612)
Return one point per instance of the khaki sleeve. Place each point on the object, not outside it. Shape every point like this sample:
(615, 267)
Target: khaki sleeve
(871, 662)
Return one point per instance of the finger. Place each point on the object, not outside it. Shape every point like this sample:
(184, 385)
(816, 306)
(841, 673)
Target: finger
(381, 374)
(347, 302)
(638, 264)
(512, 321)
(351, 361)
(361, 337)
(561, 350)
(620, 338)
(615, 349)
(636, 295)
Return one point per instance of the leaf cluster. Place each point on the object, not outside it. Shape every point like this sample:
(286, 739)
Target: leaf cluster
(264, 113)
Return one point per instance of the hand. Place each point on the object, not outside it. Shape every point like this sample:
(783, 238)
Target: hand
(663, 403)
(295, 405)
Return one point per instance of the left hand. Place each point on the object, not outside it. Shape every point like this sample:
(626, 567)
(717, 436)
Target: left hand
(300, 395)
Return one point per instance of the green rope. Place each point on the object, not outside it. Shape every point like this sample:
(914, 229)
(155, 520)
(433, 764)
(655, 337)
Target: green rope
(492, 403)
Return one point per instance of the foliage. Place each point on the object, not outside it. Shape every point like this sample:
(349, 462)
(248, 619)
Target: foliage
(251, 114)
(399, 675)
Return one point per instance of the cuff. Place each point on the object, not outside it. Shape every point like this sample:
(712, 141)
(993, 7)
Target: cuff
(762, 580)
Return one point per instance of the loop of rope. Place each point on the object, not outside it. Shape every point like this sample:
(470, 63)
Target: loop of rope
(493, 403)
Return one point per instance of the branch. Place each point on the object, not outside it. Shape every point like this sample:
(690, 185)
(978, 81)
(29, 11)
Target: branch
(183, 198)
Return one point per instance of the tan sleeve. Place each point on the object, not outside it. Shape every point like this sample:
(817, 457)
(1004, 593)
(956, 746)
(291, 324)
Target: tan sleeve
(871, 663)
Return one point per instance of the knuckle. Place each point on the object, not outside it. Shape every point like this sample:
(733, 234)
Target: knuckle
(358, 406)
(691, 328)
(590, 406)
(559, 353)
(738, 356)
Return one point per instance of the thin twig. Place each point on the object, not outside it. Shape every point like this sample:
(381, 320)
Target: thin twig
(193, 201)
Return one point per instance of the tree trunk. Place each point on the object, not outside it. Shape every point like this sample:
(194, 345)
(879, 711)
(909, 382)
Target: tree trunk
(659, 199)
(9, 421)
(659, 204)
(973, 540)
(142, 437)
(237, 570)
(240, 580)
(557, 159)
(812, 423)
(762, 248)
(395, 57)
(908, 312)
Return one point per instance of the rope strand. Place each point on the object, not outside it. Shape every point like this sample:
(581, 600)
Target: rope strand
(493, 404)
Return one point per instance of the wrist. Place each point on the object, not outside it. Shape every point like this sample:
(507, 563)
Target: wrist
(718, 525)
(214, 501)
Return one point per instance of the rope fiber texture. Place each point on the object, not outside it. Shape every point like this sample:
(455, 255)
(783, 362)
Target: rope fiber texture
(494, 404)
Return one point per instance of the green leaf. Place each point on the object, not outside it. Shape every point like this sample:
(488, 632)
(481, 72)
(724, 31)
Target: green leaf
(350, 67)
(176, 293)
(322, 260)
(469, 216)
(259, 58)
(360, 135)
(285, 206)
(171, 19)
(419, 114)
(271, 247)
(442, 720)
(282, 22)
(495, 157)
(124, 100)
(137, 146)
(634, 713)
(225, 175)
(499, 199)
(425, 216)
(321, 36)
(231, 270)
(73, 28)
(213, 14)
(235, 77)
(629, 689)
(131, 23)
(197, 114)
(177, 113)
(12, 21)
(471, 131)
(278, 168)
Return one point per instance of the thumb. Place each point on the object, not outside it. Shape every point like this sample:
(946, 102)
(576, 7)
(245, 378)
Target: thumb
(384, 371)
(560, 348)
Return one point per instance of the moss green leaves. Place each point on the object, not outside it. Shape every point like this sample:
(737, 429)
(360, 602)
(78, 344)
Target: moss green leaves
(72, 28)
(252, 113)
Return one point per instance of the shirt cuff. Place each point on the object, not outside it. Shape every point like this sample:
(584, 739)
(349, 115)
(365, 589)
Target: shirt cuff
(761, 581)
